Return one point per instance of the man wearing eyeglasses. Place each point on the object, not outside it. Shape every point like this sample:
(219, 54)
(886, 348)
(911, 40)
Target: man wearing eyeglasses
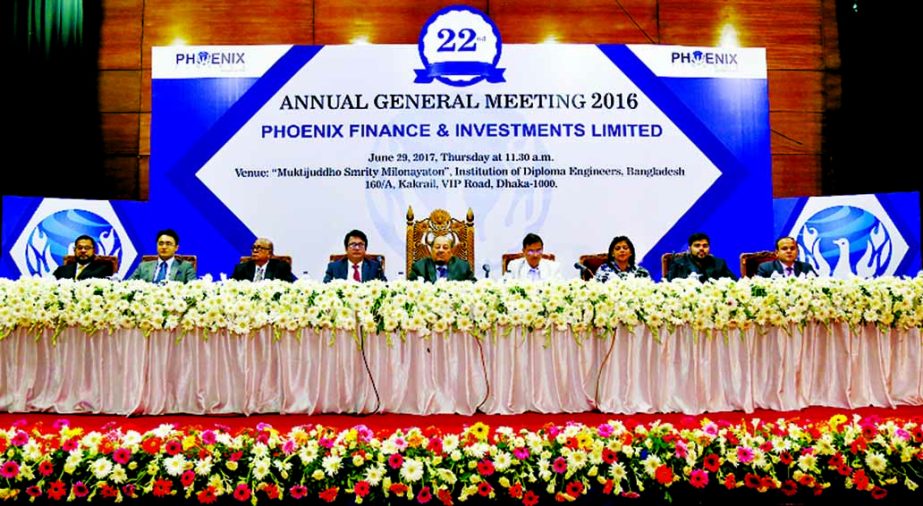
(357, 266)
(167, 267)
(262, 266)
(532, 267)
(86, 265)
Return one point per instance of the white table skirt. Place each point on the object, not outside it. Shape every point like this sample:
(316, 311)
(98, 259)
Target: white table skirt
(503, 373)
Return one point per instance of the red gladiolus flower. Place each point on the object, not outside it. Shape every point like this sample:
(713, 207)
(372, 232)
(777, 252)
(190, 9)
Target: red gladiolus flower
(424, 495)
(484, 489)
(71, 444)
(631, 495)
(574, 488)
(786, 458)
(80, 490)
(106, 446)
(712, 462)
(879, 493)
(174, 447)
(698, 478)
(207, 496)
(121, 455)
(751, 480)
(530, 499)
(56, 490)
(844, 470)
(859, 445)
(242, 492)
(607, 488)
(162, 487)
(361, 489)
(109, 492)
(235, 456)
(730, 482)
(395, 461)
(789, 488)
(45, 468)
(861, 480)
(664, 475)
(330, 494)
(128, 490)
(516, 491)
(869, 431)
(807, 481)
(444, 496)
(732, 439)
(34, 491)
(485, 468)
(767, 483)
(298, 491)
(398, 489)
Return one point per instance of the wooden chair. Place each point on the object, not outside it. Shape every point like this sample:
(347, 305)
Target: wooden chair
(750, 262)
(336, 257)
(285, 258)
(183, 258)
(667, 260)
(439, 222)
(592, 262)
(509, 257)
(114, 260)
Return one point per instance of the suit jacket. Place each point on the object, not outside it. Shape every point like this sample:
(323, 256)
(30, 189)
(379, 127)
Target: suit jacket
(456, 270)
(341, 269)
(179, 271)
(712, 268)
(767, 269)
(95, 269)
(275, 269)
(519, 269)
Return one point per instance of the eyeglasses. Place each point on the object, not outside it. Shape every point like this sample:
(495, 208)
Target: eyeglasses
(534, 251)
(356, 245)
(166, 243)
(259, 248)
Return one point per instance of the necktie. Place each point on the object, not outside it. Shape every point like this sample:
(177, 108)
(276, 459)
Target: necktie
(259, 273)
(161, 273)
(78, 270)
(356, 275)
(533, 274)
(789, 271)
(441, 270)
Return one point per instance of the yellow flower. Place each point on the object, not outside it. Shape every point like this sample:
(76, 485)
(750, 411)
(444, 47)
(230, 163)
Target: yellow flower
(479, 430)
(231, 465)
(837, 420)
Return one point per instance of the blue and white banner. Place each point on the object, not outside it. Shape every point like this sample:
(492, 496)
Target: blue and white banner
(577, 143)
(854, 235)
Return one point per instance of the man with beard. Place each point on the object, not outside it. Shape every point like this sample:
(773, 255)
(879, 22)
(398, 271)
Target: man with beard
(87, 265)
(699, 262)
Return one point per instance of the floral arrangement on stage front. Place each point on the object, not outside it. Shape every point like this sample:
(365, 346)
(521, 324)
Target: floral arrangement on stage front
(869, 456)
(401, 307)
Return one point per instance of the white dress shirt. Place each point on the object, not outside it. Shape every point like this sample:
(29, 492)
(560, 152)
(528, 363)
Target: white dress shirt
(548, 270)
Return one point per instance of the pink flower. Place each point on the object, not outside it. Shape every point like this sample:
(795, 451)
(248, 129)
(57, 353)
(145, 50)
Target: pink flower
(9, 470)
(604, 430)
(681, 449)
(521, 453)
(60, 422)
(401, 443)
(395, 461)
(289, 447)
(325, 442)
(242, 492)
(298, 491)
(121, 455)
(20, 439)
(79, 489)
(698, 478)
(744, 454)
(209, 437)
(559, 466)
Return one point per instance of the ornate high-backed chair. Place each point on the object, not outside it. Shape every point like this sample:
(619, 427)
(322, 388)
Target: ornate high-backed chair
(509, 257)
(183, 258)
(114, 260)
(750, 262)
(592, 262)
(439, 222)
(667, 260)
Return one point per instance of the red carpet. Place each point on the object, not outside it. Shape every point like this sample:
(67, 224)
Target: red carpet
(446, 422)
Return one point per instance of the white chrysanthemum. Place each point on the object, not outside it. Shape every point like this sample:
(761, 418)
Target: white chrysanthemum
(502, 461)
(446, 476)
(260, 468)
(477, 450)
(388, 447)
(204, 466)
(175, 465)
(307, 454)
(118, 475)
(576, 460)
(450, 443)
(412, 470)
(163, 430)
(651, 463)
(131, 439)
(101, 468)
(876, 462)
(331, 465)
(618, 472)
(374, 475)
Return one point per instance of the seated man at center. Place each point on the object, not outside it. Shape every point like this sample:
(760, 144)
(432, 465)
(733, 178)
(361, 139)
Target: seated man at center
(699, 262)
(532, 267)
(442, 264)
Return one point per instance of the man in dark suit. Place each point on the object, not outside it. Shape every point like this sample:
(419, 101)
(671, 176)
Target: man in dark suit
(262, 266)
(442, 264)
(87, 265)
(167, 267)
(355, 267)
(786, 263)
(699, 261)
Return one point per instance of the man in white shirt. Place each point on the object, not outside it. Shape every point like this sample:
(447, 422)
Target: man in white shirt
(532, 267)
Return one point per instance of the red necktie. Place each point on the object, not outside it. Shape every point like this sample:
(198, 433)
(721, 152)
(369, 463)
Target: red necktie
(356, 275)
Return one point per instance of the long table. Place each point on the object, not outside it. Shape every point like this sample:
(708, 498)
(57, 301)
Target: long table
(504, 371)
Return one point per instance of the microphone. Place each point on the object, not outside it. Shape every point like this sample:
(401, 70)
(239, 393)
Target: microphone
(486, 268)
(584, 270)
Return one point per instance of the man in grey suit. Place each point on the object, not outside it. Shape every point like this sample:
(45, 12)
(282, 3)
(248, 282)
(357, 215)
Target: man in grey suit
(786, 263)
(167, 267)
